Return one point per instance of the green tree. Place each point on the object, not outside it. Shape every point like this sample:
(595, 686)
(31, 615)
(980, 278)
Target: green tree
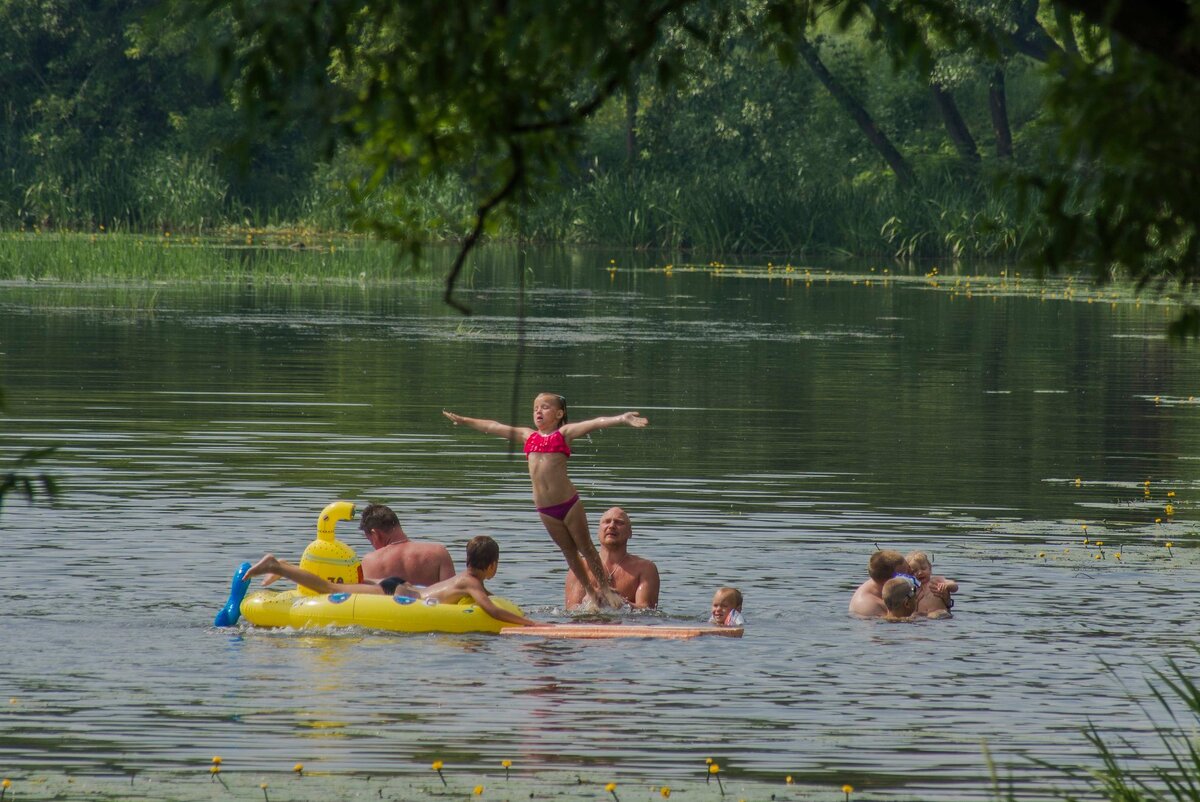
(1117, 186)
(497, 95)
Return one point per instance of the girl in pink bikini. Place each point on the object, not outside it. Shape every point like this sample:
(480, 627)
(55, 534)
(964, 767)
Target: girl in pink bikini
(556, 499)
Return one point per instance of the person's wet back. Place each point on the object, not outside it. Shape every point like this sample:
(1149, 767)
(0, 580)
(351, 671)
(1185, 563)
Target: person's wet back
(867, 600)
(396, 555)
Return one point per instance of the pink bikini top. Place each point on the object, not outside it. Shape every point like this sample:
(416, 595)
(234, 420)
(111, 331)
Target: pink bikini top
(553, 443)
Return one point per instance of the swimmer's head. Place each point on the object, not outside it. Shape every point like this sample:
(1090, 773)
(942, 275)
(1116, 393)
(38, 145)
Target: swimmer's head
(900, 597)
(550, 405)
(920, 565)
(482, 553)
(377, 516)
(885, 564)
(724, 601)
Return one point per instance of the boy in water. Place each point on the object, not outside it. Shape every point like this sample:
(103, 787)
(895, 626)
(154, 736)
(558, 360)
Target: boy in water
(483, 558)
(900, 598)
(727, 608)
(933, 596)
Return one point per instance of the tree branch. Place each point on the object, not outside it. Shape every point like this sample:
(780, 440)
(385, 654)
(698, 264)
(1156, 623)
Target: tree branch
(640, 47)
(481, 214)
(1165, 28)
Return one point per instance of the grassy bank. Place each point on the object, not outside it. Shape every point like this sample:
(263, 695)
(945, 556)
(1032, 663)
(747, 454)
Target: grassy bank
(285, 255)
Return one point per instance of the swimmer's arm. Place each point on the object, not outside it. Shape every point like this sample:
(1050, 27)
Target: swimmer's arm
(942, 586)
(480, 597)
(646, 596)
(445, 566)
(515, 433)
(573, 430)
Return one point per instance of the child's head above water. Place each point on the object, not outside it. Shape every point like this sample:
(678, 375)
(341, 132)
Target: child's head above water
(900, 597)
(725, 602)
(482, 553)
(920, 565)
(550, 404)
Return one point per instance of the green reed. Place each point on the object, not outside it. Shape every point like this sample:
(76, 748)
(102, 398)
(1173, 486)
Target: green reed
(283, 255)
(1125, 772)
(953, 214)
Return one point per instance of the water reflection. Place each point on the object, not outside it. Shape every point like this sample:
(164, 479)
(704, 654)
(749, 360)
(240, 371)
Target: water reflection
(792, 429)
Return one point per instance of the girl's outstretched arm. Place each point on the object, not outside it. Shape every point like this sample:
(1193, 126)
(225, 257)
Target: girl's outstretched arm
(514, 433)
(573, 430)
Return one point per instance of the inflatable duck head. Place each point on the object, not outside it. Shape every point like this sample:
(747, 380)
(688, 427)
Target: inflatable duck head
(327, 556)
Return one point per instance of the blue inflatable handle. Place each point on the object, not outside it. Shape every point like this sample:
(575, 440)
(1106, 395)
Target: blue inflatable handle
(232, 610)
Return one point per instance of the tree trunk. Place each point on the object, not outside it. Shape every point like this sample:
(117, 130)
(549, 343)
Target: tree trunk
(1066, 28)
(956, 126)
(1031, 38)
(904, 174)
(998, 105)
(631, 110)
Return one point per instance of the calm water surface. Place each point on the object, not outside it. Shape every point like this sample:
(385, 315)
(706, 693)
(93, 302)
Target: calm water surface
(794, 426)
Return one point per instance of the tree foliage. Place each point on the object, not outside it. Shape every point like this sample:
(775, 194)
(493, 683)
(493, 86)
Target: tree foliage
(858, 125)
(497, 94)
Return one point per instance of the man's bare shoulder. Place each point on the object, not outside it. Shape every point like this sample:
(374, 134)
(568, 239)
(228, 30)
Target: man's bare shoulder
(866, 600)
(425, 549)
(639, 566)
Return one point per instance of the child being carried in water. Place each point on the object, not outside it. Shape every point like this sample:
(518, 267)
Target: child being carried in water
(483, 558)
(933, 596)
(556, 498)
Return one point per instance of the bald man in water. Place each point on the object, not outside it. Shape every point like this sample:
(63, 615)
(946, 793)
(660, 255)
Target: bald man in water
(396, 555)
(867, 601)
(634, 578)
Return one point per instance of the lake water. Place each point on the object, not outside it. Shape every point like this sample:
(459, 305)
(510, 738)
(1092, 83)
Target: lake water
(797, 419)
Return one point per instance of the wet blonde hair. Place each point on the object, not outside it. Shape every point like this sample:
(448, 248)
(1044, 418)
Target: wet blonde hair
(732, 595)
(915, 558)
(562, 404)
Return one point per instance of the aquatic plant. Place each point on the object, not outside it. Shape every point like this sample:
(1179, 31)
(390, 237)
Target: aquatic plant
(262, 256)
(1126, 773)
(715, 770)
